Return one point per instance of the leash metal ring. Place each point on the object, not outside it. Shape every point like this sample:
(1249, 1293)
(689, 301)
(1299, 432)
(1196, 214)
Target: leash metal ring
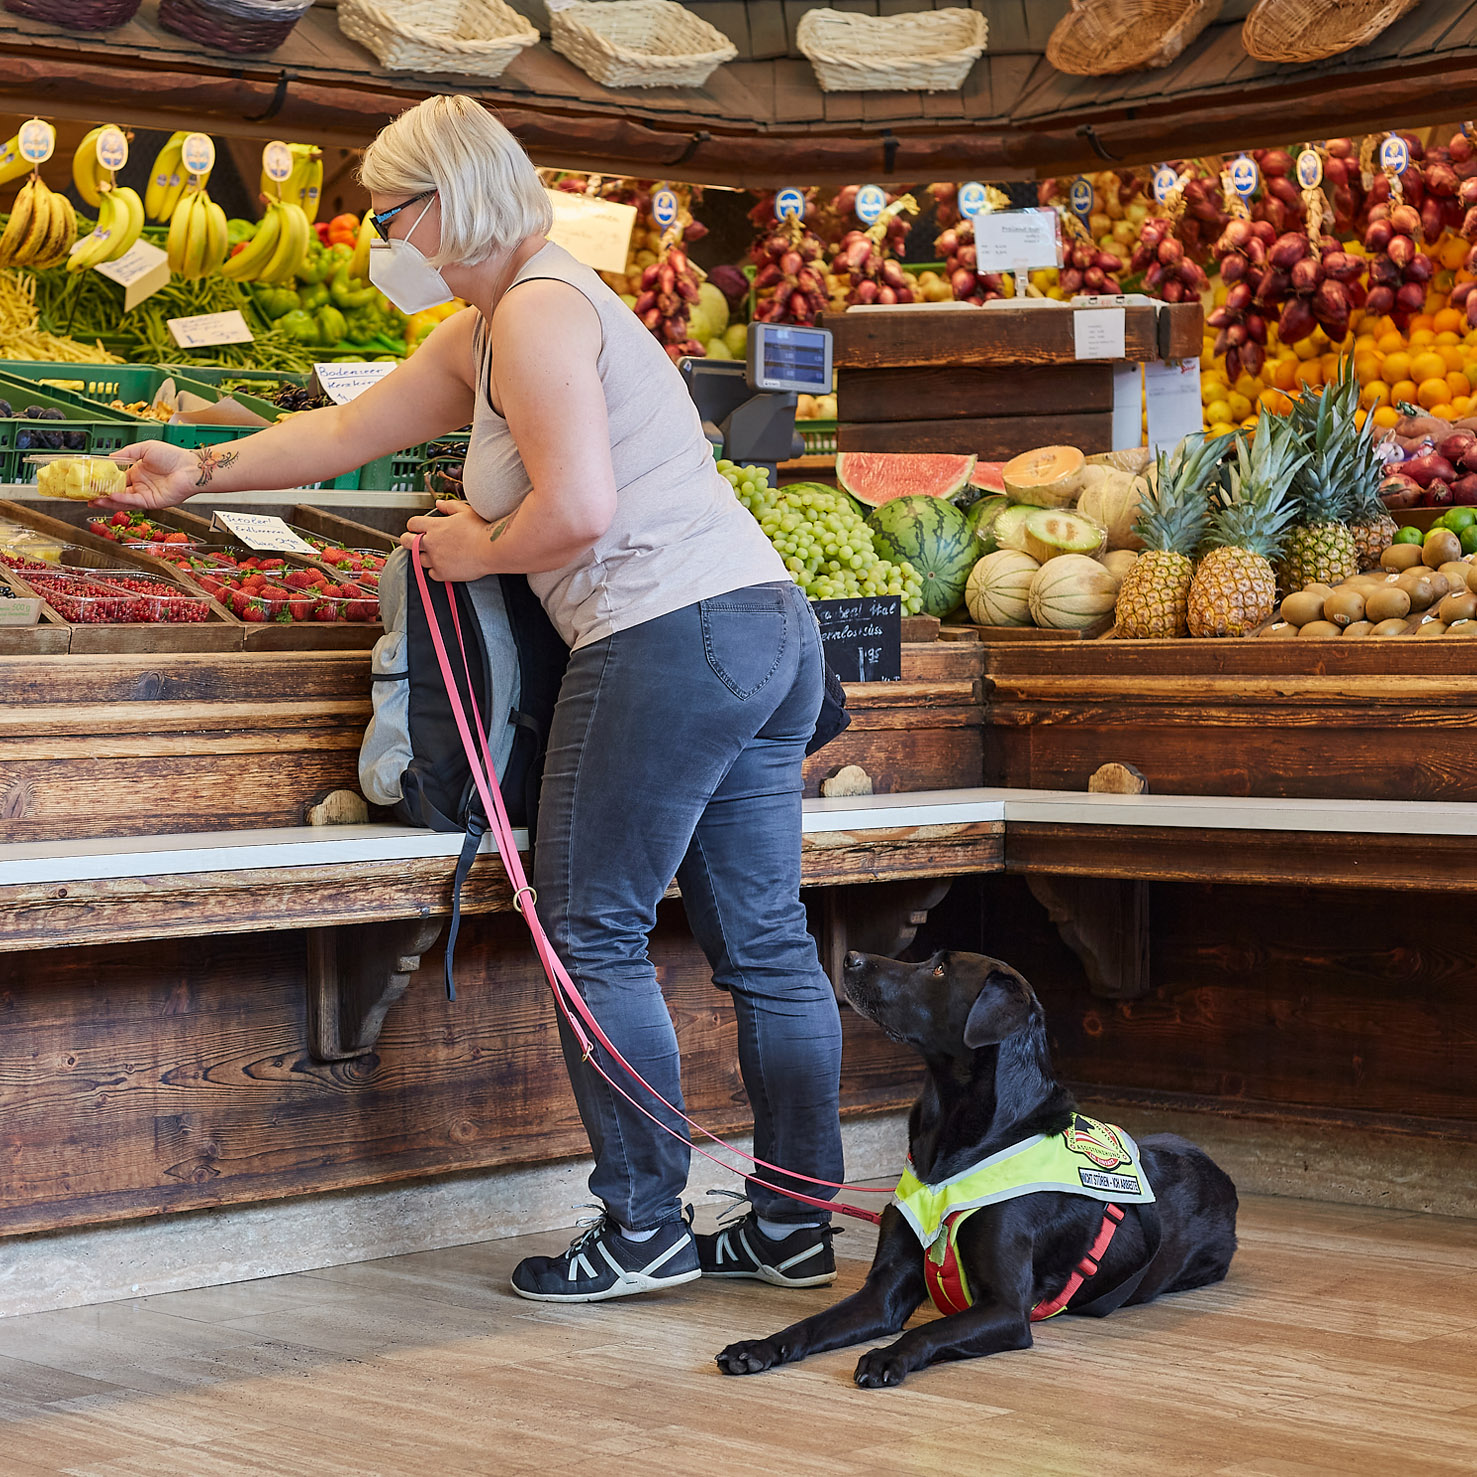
(518, 897)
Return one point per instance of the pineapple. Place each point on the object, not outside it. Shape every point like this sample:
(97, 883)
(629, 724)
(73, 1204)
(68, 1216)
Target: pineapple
(1234, 589)
(1321, 546)
(1171, 523)
(1373, 527)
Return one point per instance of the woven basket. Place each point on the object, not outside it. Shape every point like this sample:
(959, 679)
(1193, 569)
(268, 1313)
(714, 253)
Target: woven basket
(241, 26)
(1309, 30)
(638, 43)
(474, 38)
(922, 51)
(1097, 38)
(77, 15)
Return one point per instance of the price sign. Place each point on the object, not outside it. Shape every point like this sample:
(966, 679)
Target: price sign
(345, 382)
(1172, 393)
(141, 271)
(258, 531)
(112, 149)
(37, 141)
(862, 638)
(871, 201)
(1310, 169)
(972, 199)
(1080, 198)
(277, 161)
(197, 153)
(1244, 175)
(206, 329)
(593, 231)
(1394, 154)
(1015, 240)
(1098, 333)
(787, 203)
(664, 207)
(1165, 179)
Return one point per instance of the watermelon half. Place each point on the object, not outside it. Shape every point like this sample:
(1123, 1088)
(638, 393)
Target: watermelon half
(933, 536)
(877, 477)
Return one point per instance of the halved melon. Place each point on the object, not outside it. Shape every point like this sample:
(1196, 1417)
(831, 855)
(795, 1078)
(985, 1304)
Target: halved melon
(1048, 477)
(1009, 527)
(1051, 532)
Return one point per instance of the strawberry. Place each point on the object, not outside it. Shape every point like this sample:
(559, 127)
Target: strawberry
(362, 610)
(120, 519)
(333, 556)
(299, 579)
(176, 537)
(253, 613)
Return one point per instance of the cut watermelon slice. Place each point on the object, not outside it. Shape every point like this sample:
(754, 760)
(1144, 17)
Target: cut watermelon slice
(876, 477)
(988, 476)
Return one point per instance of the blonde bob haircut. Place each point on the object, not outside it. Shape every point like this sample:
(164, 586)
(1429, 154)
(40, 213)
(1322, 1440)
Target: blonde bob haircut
(490, 194)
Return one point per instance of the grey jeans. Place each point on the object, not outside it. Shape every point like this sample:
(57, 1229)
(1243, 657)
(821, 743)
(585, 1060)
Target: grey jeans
(675, 751)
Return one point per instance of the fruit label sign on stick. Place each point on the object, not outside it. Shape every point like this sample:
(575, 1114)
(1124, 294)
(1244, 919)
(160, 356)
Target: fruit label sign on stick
(112, 149)
(1080, 198)
(862, 637)
(206, 329)
(1165, 179)
(1394, 154)
(664, 207)
(1310, 169)
(1244, 175)
(197, 153)
(1009, 240)
(871, 201)
(345, 382)
(972, 199)
(277, 161)
(789, 202)
(37, 141)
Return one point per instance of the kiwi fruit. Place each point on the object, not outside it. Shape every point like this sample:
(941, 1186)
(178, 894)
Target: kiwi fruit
(1417, 584)
(1391, 603)
(1278, 630)
(1344, 607)
(1441, 547)
(1392, 627)
(1457, 574)
(1359, 628)
(1462, 628)
(1402, 556)
(1461, 605)
(1303, 607)
(1440, 585)
(1430, 628)
(1321, 630)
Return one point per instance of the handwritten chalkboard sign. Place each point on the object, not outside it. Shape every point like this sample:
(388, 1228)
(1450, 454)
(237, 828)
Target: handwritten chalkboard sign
(863, 637)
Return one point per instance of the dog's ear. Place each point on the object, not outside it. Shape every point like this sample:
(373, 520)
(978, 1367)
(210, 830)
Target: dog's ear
(1001, 1009)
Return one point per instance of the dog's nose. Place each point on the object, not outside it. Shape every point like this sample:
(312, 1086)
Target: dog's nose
(855, 960)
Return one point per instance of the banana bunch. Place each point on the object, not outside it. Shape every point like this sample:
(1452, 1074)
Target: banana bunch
(12, 165)
(89, 174)
(277, 250)
(197, 243)
(304, 186)
(359, 261)
(120, 221)
(42, 227)
(168, 180)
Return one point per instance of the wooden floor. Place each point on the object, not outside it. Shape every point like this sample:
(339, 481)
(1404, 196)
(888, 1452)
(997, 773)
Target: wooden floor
(1344, 1342)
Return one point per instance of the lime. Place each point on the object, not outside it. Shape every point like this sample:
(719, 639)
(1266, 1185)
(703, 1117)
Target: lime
(1458, 520)
(1409, 535)
(1469, 539)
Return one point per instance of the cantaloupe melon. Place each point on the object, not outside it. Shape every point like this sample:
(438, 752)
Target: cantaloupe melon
(1112, 498)
(1048, 477)
(1052, 533)
(1135, 461)
(1072, 593)
(1009, 527)
(1118, 562)
(999, 589)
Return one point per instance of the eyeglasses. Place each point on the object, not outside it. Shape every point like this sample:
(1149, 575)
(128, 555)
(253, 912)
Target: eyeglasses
(381, 220)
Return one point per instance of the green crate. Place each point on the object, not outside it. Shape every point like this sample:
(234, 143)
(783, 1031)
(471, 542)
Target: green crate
(819, 437)
(213, 376)
(401, 472)
(96, 385)
(101, 430)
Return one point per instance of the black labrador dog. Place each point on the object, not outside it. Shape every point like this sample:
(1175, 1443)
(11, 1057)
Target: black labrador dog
(990, 1088)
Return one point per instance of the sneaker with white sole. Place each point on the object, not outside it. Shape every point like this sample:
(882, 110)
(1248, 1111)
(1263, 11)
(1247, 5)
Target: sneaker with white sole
(804, 1258)
(601, 1264)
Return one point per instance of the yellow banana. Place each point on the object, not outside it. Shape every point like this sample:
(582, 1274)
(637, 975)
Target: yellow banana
(292, 246)
(20, 222)
(359, 261)
(12, 164)
(310, 197)
(179, 229)
(93, 248)
(218, 242)
(246, 265)
(87, 172)
(199, 235)
(38, 231)
(64, 231)
(131, 224)
(162, 177)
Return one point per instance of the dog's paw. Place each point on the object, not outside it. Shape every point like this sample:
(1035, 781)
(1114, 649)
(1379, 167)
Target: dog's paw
(751, 1356)
(880, 1369)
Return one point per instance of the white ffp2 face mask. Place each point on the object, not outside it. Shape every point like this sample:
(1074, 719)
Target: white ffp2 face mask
(399, 270)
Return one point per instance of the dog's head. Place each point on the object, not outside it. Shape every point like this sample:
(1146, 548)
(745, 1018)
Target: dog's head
(950, 1005)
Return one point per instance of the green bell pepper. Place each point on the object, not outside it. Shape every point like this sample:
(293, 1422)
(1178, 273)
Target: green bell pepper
(313, 296)
(331, 325)
(345, 295)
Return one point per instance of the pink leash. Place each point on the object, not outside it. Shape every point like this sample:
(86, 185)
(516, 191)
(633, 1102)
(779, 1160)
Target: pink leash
(568, 999)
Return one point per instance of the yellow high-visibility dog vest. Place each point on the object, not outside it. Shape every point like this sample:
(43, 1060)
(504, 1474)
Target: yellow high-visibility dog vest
(1098, 1160)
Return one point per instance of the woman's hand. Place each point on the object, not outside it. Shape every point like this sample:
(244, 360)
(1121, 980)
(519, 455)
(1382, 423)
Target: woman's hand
(454, 548)
(160, 475)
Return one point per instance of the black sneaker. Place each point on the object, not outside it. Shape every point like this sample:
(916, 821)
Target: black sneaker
(803, 1259)
(601, 1264)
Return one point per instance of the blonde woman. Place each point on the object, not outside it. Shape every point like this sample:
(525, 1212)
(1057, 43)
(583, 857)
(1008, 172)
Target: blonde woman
(693, 684)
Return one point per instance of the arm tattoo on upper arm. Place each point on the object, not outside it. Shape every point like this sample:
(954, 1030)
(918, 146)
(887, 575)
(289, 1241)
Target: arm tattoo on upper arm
(212, 459)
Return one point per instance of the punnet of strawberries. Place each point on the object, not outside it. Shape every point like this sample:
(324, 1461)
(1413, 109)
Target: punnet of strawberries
(136, 531)
(263, 589)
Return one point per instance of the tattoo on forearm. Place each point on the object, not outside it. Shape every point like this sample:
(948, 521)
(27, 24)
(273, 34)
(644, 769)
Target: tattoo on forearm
(212, 460)
(499, 529)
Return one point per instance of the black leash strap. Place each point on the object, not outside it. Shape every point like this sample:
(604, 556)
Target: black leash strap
(476, 830)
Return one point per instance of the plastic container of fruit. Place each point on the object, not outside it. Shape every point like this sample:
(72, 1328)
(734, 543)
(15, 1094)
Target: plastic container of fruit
(25, 543)
(77, 478)
(360, 605)
(86, 597)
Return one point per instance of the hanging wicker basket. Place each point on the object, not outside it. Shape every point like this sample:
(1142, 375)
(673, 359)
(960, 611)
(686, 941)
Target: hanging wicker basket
(920, 51)
(638, 43)
(1098, 38)
(244, 27)
(77, 15)
(1310, 30)
(475, 38)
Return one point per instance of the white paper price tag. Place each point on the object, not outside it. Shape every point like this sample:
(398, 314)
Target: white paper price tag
(1172, 391)
(594, 232)
(1098, 332)
(141, 271)
(258, 531)
(345, 382)
(206, 329)
(1004, 240)
(1128, 406)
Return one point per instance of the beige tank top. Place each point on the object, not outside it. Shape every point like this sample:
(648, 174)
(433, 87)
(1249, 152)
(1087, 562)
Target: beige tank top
(679, 534)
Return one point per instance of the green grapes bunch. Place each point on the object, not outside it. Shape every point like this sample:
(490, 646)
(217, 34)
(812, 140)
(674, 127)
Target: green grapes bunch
(824, 541)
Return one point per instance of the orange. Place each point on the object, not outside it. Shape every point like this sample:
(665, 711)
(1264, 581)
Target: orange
(1462, 404)
(1390, 343)
(1458, 383)
(1443, 412)
(1305, 348)
(1387, 417)
(1386, 325)
(1275, 402)
(1285, 373)
(1395, 368)
(1422, 338)
(1365, 341)
(1367, 366)
(1403, 390)
(1372, 396)
(1360, 416)
(1421, 321)
(1447, 338)
(1453, 355)
(1435, 302)
(1450, 320)
(1330, 364)
(1433, 392)
(1429, 365)
(1309, 372)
